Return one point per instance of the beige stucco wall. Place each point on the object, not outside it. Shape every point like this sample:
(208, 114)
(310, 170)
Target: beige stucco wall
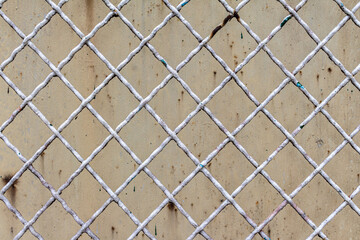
(173, 104)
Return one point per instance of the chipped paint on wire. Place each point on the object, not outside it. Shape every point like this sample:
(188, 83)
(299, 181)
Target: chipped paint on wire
(199, 229)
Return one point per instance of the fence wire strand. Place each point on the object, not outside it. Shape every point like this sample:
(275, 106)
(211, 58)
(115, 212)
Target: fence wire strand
(199, 228)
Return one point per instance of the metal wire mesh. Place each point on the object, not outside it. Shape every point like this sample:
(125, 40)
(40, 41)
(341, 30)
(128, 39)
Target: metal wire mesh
(115, 11)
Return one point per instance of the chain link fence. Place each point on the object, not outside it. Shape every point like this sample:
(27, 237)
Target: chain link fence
(152, 133)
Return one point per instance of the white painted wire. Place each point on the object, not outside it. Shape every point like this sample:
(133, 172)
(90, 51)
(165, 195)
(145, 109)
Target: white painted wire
(172, 134)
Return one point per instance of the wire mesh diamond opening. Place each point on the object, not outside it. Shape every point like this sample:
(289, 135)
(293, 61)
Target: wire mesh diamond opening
(93, 194)
(350, 33)
(21, 70)
(171, 215)
(144, 72)
(239, 107)
(121, 226)
(199, 146)
(121, 165)
(142, 185)
(91, 71)
(344, 219)
(10, 224)
(57, 30)
(201, 80)
(332, 16)
(287, 40)
(20, 194)
(174, 42)
(9, 101)
(83, 128)
(229, 224)
(236, 166)
(257, 14)
(146, 18)
(85, 15)
(31, 131)
(8, 38)
(56, 99)
(233, 43)
(319, 138)
(258, 131)
(173, 94)
(349, 158)
(258, 205)
(324, 80)
(46, 221)
(345, 115)
(114, 102)
(9, 164)
(122, 40)
(50, 163)
(291, 225)
(316, 210)
(294, 110)
(152, 135)
(198, 14)
(171, 171)
(200, 206)
(26, 15)
(296, 168)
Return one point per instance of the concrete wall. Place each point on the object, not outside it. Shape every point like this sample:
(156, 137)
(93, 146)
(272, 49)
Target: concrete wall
(173, 104)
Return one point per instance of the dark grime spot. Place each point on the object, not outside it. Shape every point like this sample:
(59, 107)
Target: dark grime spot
(236, 15)
(227, 19)
(215, 31)
(12, 190)
(171, 206)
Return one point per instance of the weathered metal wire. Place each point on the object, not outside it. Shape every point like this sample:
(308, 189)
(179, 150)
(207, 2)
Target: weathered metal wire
(143, 103)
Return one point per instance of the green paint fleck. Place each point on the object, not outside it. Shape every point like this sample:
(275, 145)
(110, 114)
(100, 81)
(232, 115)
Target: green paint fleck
(134, 188)
(163, 61)
(132, 179)
(301, 127)
(285, 20)
(155, 230)
(299, 85)
(184, 3)
(242, 36)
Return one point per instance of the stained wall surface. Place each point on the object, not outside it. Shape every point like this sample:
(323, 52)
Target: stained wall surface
(143, 134)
